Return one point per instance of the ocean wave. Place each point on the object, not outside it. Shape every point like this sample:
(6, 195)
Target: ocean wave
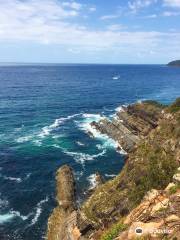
(80, 143)
(18, 180)
(80, 157)
(24, 139)
(38, 211)
(85, 124)
(110, 175)
(11, 215)
(56, 124)
(120, 108)
(78, 175)
(92, 181)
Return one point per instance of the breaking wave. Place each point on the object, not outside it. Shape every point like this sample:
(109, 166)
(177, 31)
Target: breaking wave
(80, 157)
(38, 211)
(56, 124)
(92, 181)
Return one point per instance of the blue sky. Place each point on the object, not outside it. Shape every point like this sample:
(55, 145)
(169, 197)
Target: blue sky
(92, 31)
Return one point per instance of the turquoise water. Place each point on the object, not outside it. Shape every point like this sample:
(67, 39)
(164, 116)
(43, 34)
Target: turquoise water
(45, 111)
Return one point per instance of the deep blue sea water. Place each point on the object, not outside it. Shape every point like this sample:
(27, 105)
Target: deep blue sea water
(45, 112)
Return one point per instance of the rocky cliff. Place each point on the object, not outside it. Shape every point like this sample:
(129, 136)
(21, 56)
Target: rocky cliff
(144, 199)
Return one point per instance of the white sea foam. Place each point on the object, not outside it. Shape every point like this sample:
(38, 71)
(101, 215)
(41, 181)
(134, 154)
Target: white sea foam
(48, 129)
(80, 143)
(56, 146)
(82, 157)
(141, 100)
(120, 108)
(38, 211)
(18, 180)
(24, 139)
(10, 215)
(110, 175)
(92, 181)
(85, 125)
(78, 175)
(6, 218)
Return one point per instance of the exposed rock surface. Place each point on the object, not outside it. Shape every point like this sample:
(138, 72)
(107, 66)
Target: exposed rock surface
(151, 135)
(157, 217)
(66, 221)
(63, 220)
(151, 164)
(131, 124)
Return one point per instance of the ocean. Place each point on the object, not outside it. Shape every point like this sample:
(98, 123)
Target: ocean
(45, 115)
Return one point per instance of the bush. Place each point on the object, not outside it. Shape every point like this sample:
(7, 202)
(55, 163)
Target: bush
(113, 232)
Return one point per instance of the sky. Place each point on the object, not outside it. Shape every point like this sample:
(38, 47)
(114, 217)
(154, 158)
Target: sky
(92, 31)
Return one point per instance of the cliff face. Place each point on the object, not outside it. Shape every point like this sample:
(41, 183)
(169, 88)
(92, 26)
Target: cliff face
(131, 124)
(138, 197)
(64, 217)
(151, 164)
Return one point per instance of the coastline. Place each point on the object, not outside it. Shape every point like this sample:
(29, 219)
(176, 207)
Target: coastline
(100, 209)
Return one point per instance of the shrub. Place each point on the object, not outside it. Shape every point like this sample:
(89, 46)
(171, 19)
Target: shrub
(113, 232)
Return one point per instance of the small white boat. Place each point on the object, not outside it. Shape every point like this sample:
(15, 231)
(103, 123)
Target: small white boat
(116, 77)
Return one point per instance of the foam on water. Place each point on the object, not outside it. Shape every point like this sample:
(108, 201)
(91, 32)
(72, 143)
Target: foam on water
(80, 157)
(107, 142)
(120, 108)
(56, 124)
(11, 215)
(80, 143)
(38, 211)
(24, 139)
(92, 181)
(18, 180)
(110, 175)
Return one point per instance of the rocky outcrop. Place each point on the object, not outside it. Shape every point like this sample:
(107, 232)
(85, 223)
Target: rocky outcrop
(131, 124)
(151, 164)
(157, 216)
(66, 221)
(62, 222)
(144, 199)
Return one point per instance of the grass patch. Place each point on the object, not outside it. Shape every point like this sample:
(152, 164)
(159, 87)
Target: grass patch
(113, 232)
(175, 107)
(174, 189)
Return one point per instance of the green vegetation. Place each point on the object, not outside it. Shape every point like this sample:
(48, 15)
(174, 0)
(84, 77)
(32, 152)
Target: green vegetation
(113, 231)
(154, 103)
(175, 107)
(151, 165)
(174, 189)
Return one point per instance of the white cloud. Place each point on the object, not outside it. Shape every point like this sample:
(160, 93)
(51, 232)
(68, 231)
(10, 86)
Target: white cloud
(136, 5)
(108, 17)
(92, 9)
(170, 14)
(152, 16)
(172, 3)
(115, 27)
(73, 5)
(49, 22)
